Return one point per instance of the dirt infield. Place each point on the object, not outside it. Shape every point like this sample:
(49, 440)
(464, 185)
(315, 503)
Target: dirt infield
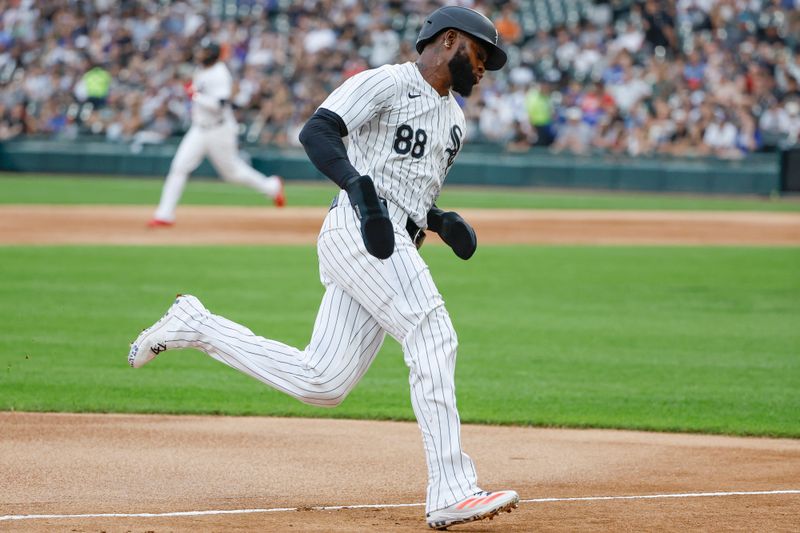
(268, 474)
(125, 464)
(240, 225)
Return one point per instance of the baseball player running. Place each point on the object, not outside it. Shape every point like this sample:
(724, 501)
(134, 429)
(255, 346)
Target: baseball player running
(213, 133)
(404, 130)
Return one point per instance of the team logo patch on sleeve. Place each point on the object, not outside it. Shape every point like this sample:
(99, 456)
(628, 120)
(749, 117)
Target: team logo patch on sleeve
(455, 137)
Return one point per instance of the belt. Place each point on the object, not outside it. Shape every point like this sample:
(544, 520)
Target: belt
(416, 233)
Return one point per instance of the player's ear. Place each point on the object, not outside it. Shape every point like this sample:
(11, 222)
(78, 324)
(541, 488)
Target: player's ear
(449, 38)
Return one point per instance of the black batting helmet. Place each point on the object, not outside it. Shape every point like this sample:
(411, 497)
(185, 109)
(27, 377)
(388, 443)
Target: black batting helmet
(211, 51)
(466, 20)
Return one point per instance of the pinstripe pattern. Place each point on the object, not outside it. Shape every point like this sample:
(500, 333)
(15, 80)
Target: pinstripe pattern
(402, 297)
(366, 298)
(373, 104)
(343, 345)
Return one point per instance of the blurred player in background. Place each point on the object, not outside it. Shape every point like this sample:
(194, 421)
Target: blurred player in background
(214, 134)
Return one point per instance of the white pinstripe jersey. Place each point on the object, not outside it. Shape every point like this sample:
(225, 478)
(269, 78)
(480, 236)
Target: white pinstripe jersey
(211, 84)
(401, 132)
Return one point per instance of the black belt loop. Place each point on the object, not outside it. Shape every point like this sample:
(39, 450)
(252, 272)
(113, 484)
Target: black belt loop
(416, 233)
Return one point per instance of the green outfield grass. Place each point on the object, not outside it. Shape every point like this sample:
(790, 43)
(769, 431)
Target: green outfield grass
(669, 338)
(49, 189)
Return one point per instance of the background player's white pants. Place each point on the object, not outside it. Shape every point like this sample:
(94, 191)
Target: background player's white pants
(364, 299)
(220, 145)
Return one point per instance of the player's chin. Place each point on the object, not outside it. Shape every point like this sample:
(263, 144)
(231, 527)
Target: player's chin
(465, 89)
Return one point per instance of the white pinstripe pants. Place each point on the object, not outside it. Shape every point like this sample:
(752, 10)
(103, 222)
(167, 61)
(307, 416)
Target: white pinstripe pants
(365, 298)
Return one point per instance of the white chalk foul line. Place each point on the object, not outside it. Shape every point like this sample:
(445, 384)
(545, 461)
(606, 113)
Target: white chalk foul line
(389, 505)
(659, 496)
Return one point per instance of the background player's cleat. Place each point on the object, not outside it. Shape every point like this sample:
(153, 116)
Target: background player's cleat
(476, 507)
(280, 198)
(173, 330)
(158, 223)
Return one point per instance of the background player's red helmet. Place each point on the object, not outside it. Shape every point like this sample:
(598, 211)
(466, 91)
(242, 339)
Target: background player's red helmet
(466, 20)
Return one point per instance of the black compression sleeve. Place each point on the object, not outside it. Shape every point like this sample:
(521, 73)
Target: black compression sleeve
(435, 219)
(322, 139)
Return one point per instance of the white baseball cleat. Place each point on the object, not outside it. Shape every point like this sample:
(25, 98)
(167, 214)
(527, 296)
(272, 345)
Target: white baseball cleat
(170, 331)
(476, 507)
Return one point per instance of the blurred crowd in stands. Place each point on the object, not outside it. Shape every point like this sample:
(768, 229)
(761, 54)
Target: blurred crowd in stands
(629, 77)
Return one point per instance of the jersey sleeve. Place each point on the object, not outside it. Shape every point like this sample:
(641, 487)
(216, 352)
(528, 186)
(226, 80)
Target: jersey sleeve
(361, 97)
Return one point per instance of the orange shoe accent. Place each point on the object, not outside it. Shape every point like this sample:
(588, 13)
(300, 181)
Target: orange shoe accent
(467, 502)
(280, 198)
(156, 223)
(486, 499)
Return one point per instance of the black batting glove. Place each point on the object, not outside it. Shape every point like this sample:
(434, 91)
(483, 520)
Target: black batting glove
(454, 230)
(376, 226)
